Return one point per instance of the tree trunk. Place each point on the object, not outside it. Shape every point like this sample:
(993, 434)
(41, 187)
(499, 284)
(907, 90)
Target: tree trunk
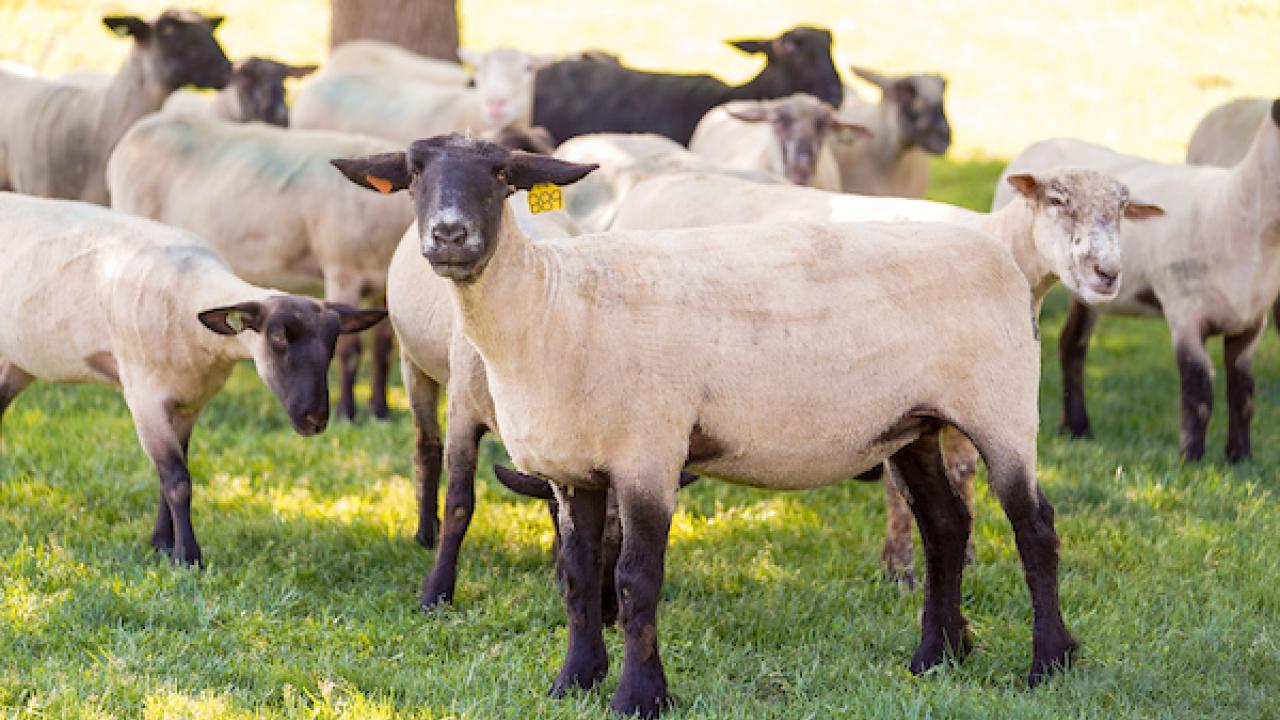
(428, 27)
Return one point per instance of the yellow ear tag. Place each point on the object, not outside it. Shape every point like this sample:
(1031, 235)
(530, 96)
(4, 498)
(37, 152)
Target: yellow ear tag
(545, 197)
(381, 184)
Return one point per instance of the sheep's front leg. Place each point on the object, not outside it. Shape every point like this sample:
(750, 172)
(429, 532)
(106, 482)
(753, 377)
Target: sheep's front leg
(424, 394)
(1073, 345)
(164, 433)
(645, 507)
(944, 523)
(1238, 354)
(461, 439)
(13, 380)
(1195, 372)
(581, 523)
(383, 340)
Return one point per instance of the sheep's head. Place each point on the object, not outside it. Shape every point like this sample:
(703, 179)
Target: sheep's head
(179, 47)
(259, 88)
(799, 60)
(1077, 216)
(459, 185)
(504, 81)
(919, 101)
(801, 125)
(292, 339)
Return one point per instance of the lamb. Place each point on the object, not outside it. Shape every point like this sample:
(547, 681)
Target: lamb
(255, 92)
(91, 295)
(376, 57)
(1063, 226)
(787, 137)
(1222, 138)
(267, 200)
(55, 137)
(400, 109)
(1210, 267)
(907, 125)
(577, 97)
(614, 361)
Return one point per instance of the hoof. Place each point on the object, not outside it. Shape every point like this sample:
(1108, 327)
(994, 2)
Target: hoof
(427, 536)
(345, 412)
(382, 413)
(582, 679)
(434, 595)
(162, 544)
(904, 578)
(187, 558)
(1077, 433)
(1047, 663)
(645, 706)
(1238, 455)
(935, 653)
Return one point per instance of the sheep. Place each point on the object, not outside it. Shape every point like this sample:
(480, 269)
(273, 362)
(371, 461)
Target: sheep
(1210, 267)
(624, 160)
(90, 295)
(616, 360)
(55, 137)
(378, 57)
(787, 137)
(907, 125)
(267, 200)
(1064, 226)
(577, 97)
(255, 92)
(1222, 137)
(17, 68)
(400, 109)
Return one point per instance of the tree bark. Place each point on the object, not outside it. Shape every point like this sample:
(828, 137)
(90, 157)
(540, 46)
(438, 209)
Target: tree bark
(428, 27)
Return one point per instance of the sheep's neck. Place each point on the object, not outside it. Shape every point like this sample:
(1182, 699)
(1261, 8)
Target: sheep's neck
(1255, 181)
(1014, 226)
(133, 92)
(227, 105)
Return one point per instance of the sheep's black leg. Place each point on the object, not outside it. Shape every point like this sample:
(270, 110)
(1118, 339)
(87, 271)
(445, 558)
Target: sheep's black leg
(348, 367)
(165, 432)
(383, 339)
(459, 505)
(1238, 354)
(1073, 345)
(13, 380)
(1196, 374)
(424, 395)
(582, 517)
(944, 523)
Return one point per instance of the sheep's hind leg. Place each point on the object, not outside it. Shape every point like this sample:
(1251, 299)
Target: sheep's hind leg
(898, 555)
(341, 287)
(1073, 344)
(1238, 355)
(582, 518)
(380, 360)
(13, 380)
(944, 523)
(1195, 371)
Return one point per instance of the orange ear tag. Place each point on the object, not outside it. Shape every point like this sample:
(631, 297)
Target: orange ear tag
(381, 184)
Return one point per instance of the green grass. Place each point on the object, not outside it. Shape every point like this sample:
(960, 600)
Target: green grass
(773, 608)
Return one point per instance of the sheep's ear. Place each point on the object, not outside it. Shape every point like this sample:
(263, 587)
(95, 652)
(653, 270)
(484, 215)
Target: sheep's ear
(751, 113)
(233, 319)
(848, 133)
(1025, 183)
(384, 172)
(1141, 211)
(752, 46)
(215, 21)
(1275, 111)
(127, 25)
(353, 319)
(880, 80)
(524, 170)
(297, 71)
(470, 57)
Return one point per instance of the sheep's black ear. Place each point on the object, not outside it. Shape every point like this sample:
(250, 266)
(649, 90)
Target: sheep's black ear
(1275, 111)
(126, 25)
(233, 319)
(752, 46)
(524, 170)
(384, 172)
(353, 319)
(214, 22)
(297, 71)
(751, 113)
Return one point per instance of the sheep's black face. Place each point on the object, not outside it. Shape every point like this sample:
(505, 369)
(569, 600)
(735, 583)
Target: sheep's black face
(259, 86)
(805, 55)
(921, 113)
(187, 51)
(294, 342)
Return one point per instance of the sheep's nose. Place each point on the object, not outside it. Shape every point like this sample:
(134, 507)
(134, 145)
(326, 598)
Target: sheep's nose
(1108, 275)
(451, 233)
(316, 420)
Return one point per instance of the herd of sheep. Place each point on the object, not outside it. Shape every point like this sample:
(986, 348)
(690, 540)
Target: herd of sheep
(743, 283)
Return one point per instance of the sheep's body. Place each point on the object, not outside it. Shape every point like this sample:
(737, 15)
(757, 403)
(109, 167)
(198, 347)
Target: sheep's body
(268, 201)
(221, 105)
(1210, 268)
(1222, 137)
(377, 57)
(755, 146)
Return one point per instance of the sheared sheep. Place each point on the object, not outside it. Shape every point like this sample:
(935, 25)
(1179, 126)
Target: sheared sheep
(378, 57)
(1222, 138)
(255, 92)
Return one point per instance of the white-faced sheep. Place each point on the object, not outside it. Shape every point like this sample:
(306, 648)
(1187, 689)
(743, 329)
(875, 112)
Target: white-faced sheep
(90, 295)
(55, 137)
(907, 125)
(1210, 267)
(616, 360)
(790, 137)
(255, 92)
(401, 108)
(268, 201)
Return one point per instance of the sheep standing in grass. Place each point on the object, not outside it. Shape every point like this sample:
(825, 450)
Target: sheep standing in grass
(268, 201)
(789, 137)
(1062, 226)
(255, 92)
(55, 137)
(399, 108)
(907, 125)
(1210, 267)
(90, 295)
(783, 356)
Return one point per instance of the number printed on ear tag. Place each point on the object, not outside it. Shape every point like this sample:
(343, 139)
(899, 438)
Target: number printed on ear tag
(545, 197)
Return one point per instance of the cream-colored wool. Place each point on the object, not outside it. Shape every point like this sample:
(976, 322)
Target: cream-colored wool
(378, 57)
(1222, 138)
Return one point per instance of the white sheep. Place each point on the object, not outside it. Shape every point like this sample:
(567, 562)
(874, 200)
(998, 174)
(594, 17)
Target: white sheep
(402, 108)
(1222, 137)
(268, 201)
(1211, 266)
(378, 57)
(907, 125)
(55, 137)
(616, 360)
(255, 92)
(790, 137)
(90, 295)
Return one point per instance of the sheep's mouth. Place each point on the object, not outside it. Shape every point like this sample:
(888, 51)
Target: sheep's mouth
(1101, 287)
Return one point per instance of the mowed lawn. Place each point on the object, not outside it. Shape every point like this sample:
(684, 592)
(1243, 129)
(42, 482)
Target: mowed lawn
(774, 606)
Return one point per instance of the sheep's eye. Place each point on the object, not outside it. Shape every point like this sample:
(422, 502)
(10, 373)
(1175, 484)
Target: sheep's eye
(500, 174)
(1056, 201)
